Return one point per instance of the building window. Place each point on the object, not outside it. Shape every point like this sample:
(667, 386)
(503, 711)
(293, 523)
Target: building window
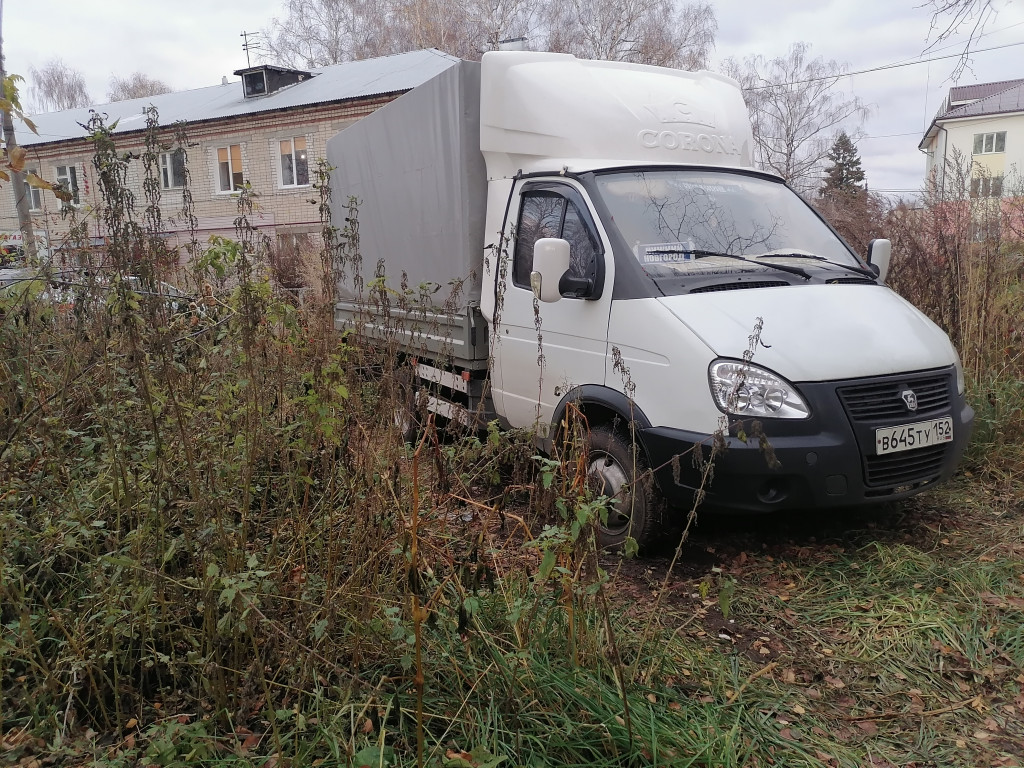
(294, 163)
(989, 143)
(32, 194)
(172, 169)
(67, 176)
(254, 83)
(229, 165)
(987, 186)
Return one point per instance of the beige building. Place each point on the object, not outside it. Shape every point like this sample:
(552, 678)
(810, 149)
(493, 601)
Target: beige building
(269, 129)
(981, 124)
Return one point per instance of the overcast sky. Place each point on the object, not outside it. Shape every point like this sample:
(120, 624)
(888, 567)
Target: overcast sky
(193, 43)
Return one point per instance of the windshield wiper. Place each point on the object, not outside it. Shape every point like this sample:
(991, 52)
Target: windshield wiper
(815, 257)
(701, 254)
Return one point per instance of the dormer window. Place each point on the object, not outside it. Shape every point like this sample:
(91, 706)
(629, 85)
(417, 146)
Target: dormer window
(254, 83)
(265, 79)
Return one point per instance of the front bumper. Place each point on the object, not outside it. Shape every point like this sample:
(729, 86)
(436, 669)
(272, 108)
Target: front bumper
(827, 460)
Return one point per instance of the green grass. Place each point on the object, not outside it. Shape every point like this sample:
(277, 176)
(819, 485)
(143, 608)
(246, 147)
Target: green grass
(215, 550)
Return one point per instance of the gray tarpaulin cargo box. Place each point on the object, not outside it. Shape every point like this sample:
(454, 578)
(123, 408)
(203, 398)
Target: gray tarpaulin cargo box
(415, 168)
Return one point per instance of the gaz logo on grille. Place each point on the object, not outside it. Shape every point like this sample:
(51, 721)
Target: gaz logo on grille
(910, 399)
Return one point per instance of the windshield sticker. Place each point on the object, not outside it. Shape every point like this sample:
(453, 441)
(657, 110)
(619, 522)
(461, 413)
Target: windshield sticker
(664, 253)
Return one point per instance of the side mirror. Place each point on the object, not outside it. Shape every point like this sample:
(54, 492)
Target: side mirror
(879, 254)
(550, 262)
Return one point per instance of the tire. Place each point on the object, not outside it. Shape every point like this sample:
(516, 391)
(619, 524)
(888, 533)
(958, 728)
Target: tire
(617, 469)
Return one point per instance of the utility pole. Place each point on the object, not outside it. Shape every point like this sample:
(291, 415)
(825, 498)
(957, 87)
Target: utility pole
(28, 238)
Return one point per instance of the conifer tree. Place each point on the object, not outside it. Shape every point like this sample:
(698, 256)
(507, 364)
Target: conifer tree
(844, 177)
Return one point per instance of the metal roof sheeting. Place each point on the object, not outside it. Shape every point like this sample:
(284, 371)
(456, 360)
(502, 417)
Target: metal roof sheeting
(340, 82)
(961, 93)
(1009, 99)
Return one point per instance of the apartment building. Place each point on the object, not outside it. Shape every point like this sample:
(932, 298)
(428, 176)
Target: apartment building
(269, 129)
(982, 124)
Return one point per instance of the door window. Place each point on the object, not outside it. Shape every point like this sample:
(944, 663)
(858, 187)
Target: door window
(547, 213)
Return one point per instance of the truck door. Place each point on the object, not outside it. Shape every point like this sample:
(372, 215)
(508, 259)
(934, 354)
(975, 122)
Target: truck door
(543, 349)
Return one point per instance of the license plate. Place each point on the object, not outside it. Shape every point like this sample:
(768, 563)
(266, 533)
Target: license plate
(906, 437)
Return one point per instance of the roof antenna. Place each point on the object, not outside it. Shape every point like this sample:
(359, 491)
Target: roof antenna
(247, 46)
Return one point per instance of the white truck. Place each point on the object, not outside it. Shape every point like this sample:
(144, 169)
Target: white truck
(617, 252)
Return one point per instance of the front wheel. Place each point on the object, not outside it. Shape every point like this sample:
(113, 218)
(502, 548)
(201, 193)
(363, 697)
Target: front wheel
(617, 469)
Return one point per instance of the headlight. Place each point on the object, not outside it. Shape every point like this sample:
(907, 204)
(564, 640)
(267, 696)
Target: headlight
(742, 389)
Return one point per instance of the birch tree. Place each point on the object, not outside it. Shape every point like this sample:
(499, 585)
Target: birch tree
(136, 86)
(797, 108)
(316, 33)
(56, 86)
(313, 33)
(659, 32)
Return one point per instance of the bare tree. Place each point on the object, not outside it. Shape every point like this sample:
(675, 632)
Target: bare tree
(951, 16)
(315, 33)
(797, 109)
(56, 86)
(659, 32)
(135, 86)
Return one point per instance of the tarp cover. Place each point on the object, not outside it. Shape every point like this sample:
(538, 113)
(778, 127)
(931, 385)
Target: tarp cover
(416, 170)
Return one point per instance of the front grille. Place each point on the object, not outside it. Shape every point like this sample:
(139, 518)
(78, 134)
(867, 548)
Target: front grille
(879, 403)
(739, 286)
(893, 470)
(881, 400)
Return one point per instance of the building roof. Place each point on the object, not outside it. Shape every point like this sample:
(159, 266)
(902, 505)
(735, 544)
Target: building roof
(1009, 98)
(979, 100)
(340, 82)
(961, 94)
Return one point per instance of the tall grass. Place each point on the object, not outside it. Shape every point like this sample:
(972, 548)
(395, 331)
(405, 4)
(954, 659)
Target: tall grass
(960, 259)
(207, 511)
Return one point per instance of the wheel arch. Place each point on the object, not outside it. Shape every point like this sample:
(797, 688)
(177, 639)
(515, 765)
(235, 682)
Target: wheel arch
(600, 405)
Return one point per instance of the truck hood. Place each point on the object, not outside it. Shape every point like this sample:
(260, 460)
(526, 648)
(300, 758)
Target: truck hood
(817, 332)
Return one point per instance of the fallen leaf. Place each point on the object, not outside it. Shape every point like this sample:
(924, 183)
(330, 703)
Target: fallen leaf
(251, 741)
(789, 676)
(797, 709)
(868, 727)
(367, 725)
(131, 724)
(834, 682)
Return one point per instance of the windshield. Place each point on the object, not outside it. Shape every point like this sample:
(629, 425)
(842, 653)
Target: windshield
(677, 220)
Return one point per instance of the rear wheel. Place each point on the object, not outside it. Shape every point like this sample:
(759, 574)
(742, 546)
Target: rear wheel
(617, 469)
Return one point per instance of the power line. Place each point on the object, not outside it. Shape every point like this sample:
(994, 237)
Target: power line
(882, 67)
(888, 136)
